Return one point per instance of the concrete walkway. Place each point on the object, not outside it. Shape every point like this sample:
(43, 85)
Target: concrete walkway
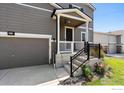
(116, 55)
(32, 75)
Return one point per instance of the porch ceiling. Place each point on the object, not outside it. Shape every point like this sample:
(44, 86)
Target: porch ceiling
(71, 22)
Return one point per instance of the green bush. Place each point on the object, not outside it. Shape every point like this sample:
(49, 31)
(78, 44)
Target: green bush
(87, 72)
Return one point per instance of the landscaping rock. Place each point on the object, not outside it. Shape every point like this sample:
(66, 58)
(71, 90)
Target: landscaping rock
(73, 81)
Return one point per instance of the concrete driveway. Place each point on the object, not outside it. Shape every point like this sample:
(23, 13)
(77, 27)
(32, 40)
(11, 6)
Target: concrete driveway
(32, 75)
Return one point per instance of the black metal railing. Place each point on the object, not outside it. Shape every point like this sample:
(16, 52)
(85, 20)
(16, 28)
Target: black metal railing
(86, 51)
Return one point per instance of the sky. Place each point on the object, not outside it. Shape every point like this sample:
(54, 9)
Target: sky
(108, 17)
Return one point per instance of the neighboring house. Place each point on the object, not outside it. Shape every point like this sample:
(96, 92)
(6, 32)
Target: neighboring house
(34, 33)
(112, 42)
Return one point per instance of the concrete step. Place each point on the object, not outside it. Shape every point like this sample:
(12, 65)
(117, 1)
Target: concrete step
(67, 68)
(76, 73)
(81, 58)
(77, 62)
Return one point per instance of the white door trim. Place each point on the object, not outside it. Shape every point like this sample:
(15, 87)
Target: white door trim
(72, 32)
(27, 35)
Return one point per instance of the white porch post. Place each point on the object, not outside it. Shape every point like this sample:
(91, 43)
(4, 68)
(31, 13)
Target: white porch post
(72, 43)
(87, 32)
(58, 34)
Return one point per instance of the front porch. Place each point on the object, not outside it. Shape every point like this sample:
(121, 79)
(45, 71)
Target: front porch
(68, 40)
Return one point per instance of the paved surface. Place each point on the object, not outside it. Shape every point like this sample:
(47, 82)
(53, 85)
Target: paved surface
(33, 75)
(116, 55)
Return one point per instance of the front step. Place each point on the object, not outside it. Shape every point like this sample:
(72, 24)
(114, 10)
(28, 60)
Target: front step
(81, 58)
(76, 73)
(77, 63)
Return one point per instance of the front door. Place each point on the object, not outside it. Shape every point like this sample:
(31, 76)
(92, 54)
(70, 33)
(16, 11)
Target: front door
(68, 37)
(69, 34)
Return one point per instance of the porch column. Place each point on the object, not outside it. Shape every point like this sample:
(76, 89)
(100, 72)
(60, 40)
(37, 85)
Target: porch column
(87, 31)
(58, 34)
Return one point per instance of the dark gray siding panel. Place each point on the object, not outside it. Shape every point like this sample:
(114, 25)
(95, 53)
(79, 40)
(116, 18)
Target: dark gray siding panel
(77, 34)
(42, 5)
(64, 5)
(62, 32)
(23, 19)
(90, 35)
(86, 9)
(16, 52)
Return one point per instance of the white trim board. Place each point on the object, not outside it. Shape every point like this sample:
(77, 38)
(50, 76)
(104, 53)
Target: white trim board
(73, 17)
(26, 35)
(34, 7)
(85, 28)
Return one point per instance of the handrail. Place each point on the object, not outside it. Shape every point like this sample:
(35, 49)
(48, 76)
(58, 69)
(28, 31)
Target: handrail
(75, 56)
(87, 47)
(79, 66)
(78, 53)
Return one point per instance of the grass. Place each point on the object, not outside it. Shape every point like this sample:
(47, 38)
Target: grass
(117, 77)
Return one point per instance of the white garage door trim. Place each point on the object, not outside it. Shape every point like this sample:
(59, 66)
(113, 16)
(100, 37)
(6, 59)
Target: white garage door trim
(27, 35)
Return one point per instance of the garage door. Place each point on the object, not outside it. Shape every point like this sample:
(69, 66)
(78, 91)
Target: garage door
(16, 52)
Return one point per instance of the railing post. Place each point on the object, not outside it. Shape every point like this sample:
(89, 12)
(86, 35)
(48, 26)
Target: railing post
(88, 51)
(71, 74)
(99, 51)
(85, 47)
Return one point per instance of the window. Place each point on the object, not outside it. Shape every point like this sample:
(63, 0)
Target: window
(82, 36)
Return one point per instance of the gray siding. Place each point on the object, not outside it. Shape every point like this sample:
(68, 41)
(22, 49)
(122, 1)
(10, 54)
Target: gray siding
(23, 19)
(77, 34)
(42, 5)
(90, 35)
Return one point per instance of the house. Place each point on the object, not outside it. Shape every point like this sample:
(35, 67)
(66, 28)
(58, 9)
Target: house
(112, 42)
(35, 33)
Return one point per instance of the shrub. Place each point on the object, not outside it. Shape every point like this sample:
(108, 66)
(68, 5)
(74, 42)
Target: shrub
(87, 72)
(100, 68)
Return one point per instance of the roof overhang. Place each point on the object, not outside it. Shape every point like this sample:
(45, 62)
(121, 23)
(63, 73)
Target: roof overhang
(75, 10)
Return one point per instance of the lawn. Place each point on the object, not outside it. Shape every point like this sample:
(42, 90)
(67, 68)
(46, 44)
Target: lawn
(117, 78)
